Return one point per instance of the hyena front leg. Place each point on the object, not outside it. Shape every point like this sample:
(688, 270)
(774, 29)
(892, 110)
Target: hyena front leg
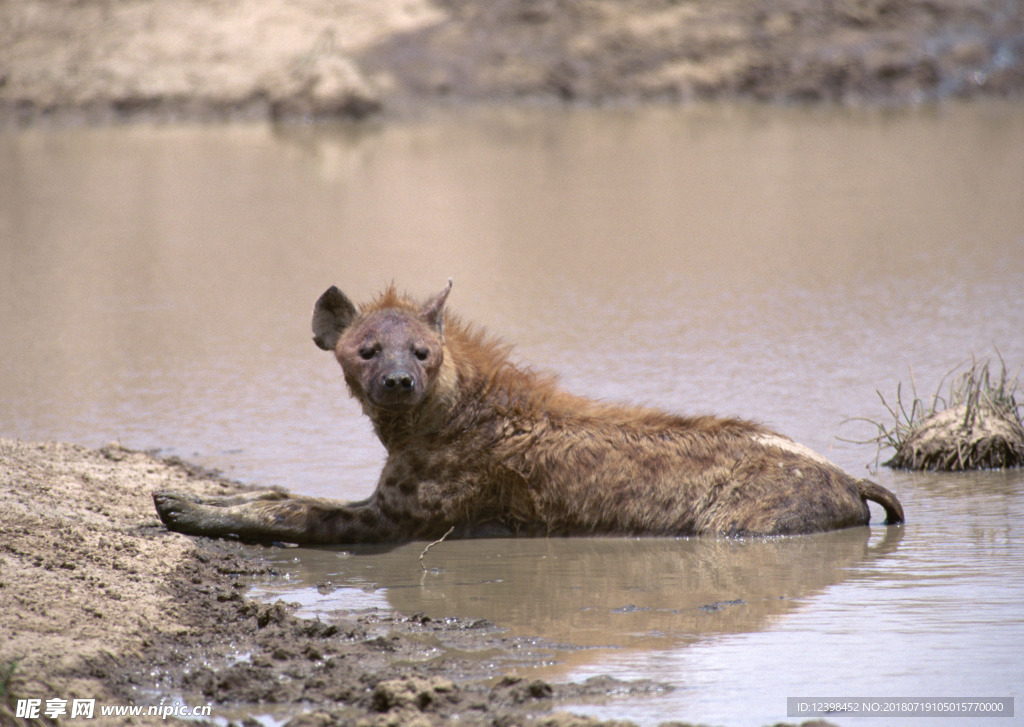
(278, 517)
(239, 499)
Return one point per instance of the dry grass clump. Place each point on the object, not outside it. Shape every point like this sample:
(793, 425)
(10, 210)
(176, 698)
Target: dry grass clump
(977, 425)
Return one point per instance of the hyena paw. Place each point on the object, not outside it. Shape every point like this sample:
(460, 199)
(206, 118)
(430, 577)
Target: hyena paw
(182, 512)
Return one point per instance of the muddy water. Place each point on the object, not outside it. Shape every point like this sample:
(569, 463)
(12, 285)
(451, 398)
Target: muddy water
(777, 264)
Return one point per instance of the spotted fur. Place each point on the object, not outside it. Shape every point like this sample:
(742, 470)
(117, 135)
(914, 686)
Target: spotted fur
(487, 447)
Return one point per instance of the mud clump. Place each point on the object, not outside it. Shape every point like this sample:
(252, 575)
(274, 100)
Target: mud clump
(976, 425)
(960, 439)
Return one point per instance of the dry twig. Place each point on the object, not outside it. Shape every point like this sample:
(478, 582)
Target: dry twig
(423, 565)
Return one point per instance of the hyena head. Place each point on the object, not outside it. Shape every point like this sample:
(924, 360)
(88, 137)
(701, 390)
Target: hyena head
(391, 351)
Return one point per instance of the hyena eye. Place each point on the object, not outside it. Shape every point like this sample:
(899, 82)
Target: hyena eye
(421, 353)
(367, 352)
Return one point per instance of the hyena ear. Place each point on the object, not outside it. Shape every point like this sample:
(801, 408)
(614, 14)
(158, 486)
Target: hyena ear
(332, 314)
(433, 311)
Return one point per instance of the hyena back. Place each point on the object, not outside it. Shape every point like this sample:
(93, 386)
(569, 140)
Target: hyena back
(479, 446)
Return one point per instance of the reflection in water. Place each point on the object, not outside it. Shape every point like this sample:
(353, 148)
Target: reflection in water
(775, 264)
(593, 592)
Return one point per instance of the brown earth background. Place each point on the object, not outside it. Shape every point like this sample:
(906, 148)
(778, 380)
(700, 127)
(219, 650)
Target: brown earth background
(103, 60)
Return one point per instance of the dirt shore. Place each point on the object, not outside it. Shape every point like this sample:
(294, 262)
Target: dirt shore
(99, 61)
(101, 602)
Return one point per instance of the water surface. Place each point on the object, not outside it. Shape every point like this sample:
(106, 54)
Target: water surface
(775, 264)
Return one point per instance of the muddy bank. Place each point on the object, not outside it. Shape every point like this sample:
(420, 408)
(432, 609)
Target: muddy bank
(101, 603)
(661, 50)
(228, 59)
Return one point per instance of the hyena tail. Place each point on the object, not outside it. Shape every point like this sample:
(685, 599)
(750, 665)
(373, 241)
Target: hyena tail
(876, 493)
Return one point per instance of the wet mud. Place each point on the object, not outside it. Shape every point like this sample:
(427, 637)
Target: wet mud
(374, 667)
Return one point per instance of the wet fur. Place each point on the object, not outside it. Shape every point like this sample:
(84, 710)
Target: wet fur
(491, 448)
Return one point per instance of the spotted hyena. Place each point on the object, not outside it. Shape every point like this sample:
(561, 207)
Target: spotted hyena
(480, 445)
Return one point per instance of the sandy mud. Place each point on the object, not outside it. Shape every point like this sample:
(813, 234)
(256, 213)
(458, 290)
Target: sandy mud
(99, 61)
(101, 602)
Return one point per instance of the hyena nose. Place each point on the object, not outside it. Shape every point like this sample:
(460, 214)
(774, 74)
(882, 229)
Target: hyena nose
(399, 380)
